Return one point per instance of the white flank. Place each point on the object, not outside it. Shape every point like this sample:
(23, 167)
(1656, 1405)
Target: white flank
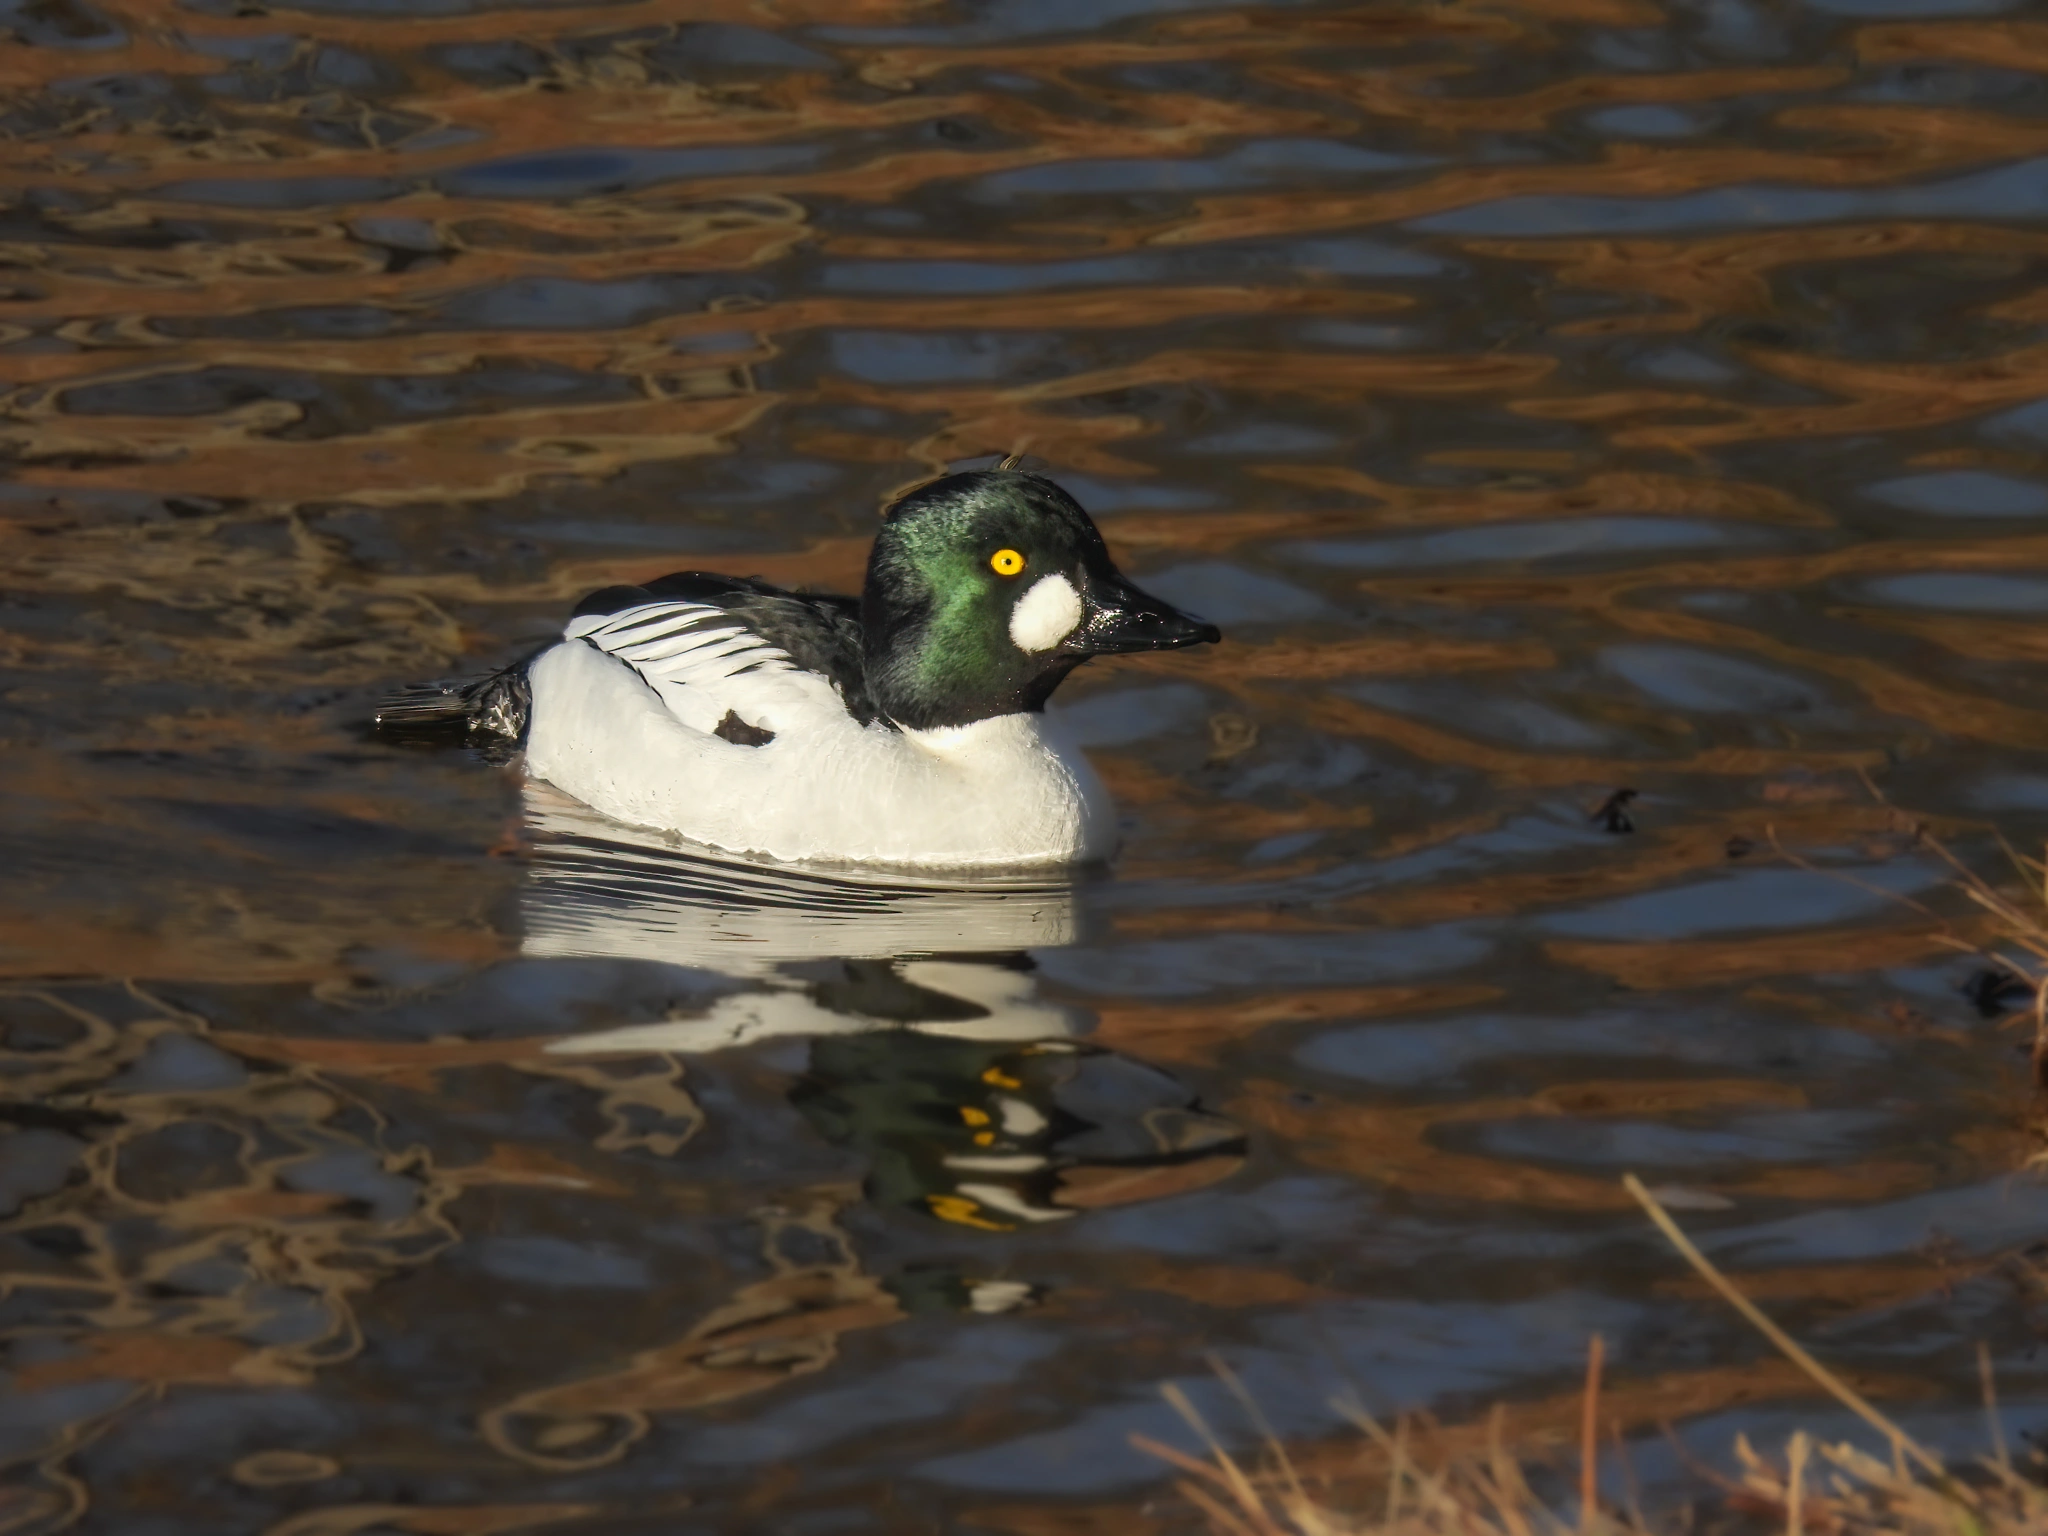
(1045, 615)
(628, 731)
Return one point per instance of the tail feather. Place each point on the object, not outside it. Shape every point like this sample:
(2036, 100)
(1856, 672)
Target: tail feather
(485, 713)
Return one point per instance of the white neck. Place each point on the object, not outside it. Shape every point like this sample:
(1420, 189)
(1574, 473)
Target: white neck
(998, 734)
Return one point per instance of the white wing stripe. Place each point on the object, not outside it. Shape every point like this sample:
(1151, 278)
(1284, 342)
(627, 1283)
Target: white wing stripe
(684, 651)
(631, 625)
(656, 647)
(638, 635)
(644, 615)
(701, 650)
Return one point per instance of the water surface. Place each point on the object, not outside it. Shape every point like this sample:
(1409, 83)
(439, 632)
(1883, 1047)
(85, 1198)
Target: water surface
(1550, 397)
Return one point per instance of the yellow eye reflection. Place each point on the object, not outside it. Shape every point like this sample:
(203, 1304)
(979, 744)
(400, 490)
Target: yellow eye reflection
(966, 1212)
(1006, 562)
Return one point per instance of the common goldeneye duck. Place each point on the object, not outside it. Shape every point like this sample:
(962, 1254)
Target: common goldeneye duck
(904, 727)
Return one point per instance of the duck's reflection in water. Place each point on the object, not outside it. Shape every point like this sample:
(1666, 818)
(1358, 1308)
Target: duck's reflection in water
(931, 1049)
(596, 888)
(969, 1096)
(995, 1137)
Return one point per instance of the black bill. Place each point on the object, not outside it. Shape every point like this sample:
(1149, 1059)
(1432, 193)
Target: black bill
(1120, 619)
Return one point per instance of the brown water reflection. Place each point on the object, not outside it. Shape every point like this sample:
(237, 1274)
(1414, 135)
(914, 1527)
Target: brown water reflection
(1549, 397)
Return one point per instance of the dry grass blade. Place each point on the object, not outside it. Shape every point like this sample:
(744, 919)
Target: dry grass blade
(1589, 1435)
(1230, 1474)
(1837, 1388)
(2000, 1456)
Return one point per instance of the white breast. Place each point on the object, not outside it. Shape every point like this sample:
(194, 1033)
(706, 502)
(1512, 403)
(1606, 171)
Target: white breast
(1000, 792)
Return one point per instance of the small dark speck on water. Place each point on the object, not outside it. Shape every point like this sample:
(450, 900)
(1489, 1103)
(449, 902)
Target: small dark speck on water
(1613, 815)
(1994, 993)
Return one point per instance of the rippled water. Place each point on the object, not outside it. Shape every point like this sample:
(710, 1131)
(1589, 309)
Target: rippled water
(1549, 397)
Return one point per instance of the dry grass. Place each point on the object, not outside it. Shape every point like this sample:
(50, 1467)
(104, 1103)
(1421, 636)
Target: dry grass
(1822, 1490)
(1814, 1489)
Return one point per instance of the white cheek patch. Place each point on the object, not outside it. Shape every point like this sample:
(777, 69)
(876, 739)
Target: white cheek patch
(1045, 615)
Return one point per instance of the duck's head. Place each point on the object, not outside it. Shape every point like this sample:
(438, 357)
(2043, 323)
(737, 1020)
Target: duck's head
(984, 590)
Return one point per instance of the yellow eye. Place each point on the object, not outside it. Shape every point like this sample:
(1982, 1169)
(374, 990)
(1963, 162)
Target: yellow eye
(1006, 562)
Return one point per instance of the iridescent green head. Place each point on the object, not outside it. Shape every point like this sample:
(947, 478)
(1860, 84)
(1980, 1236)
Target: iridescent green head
(984, 590)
